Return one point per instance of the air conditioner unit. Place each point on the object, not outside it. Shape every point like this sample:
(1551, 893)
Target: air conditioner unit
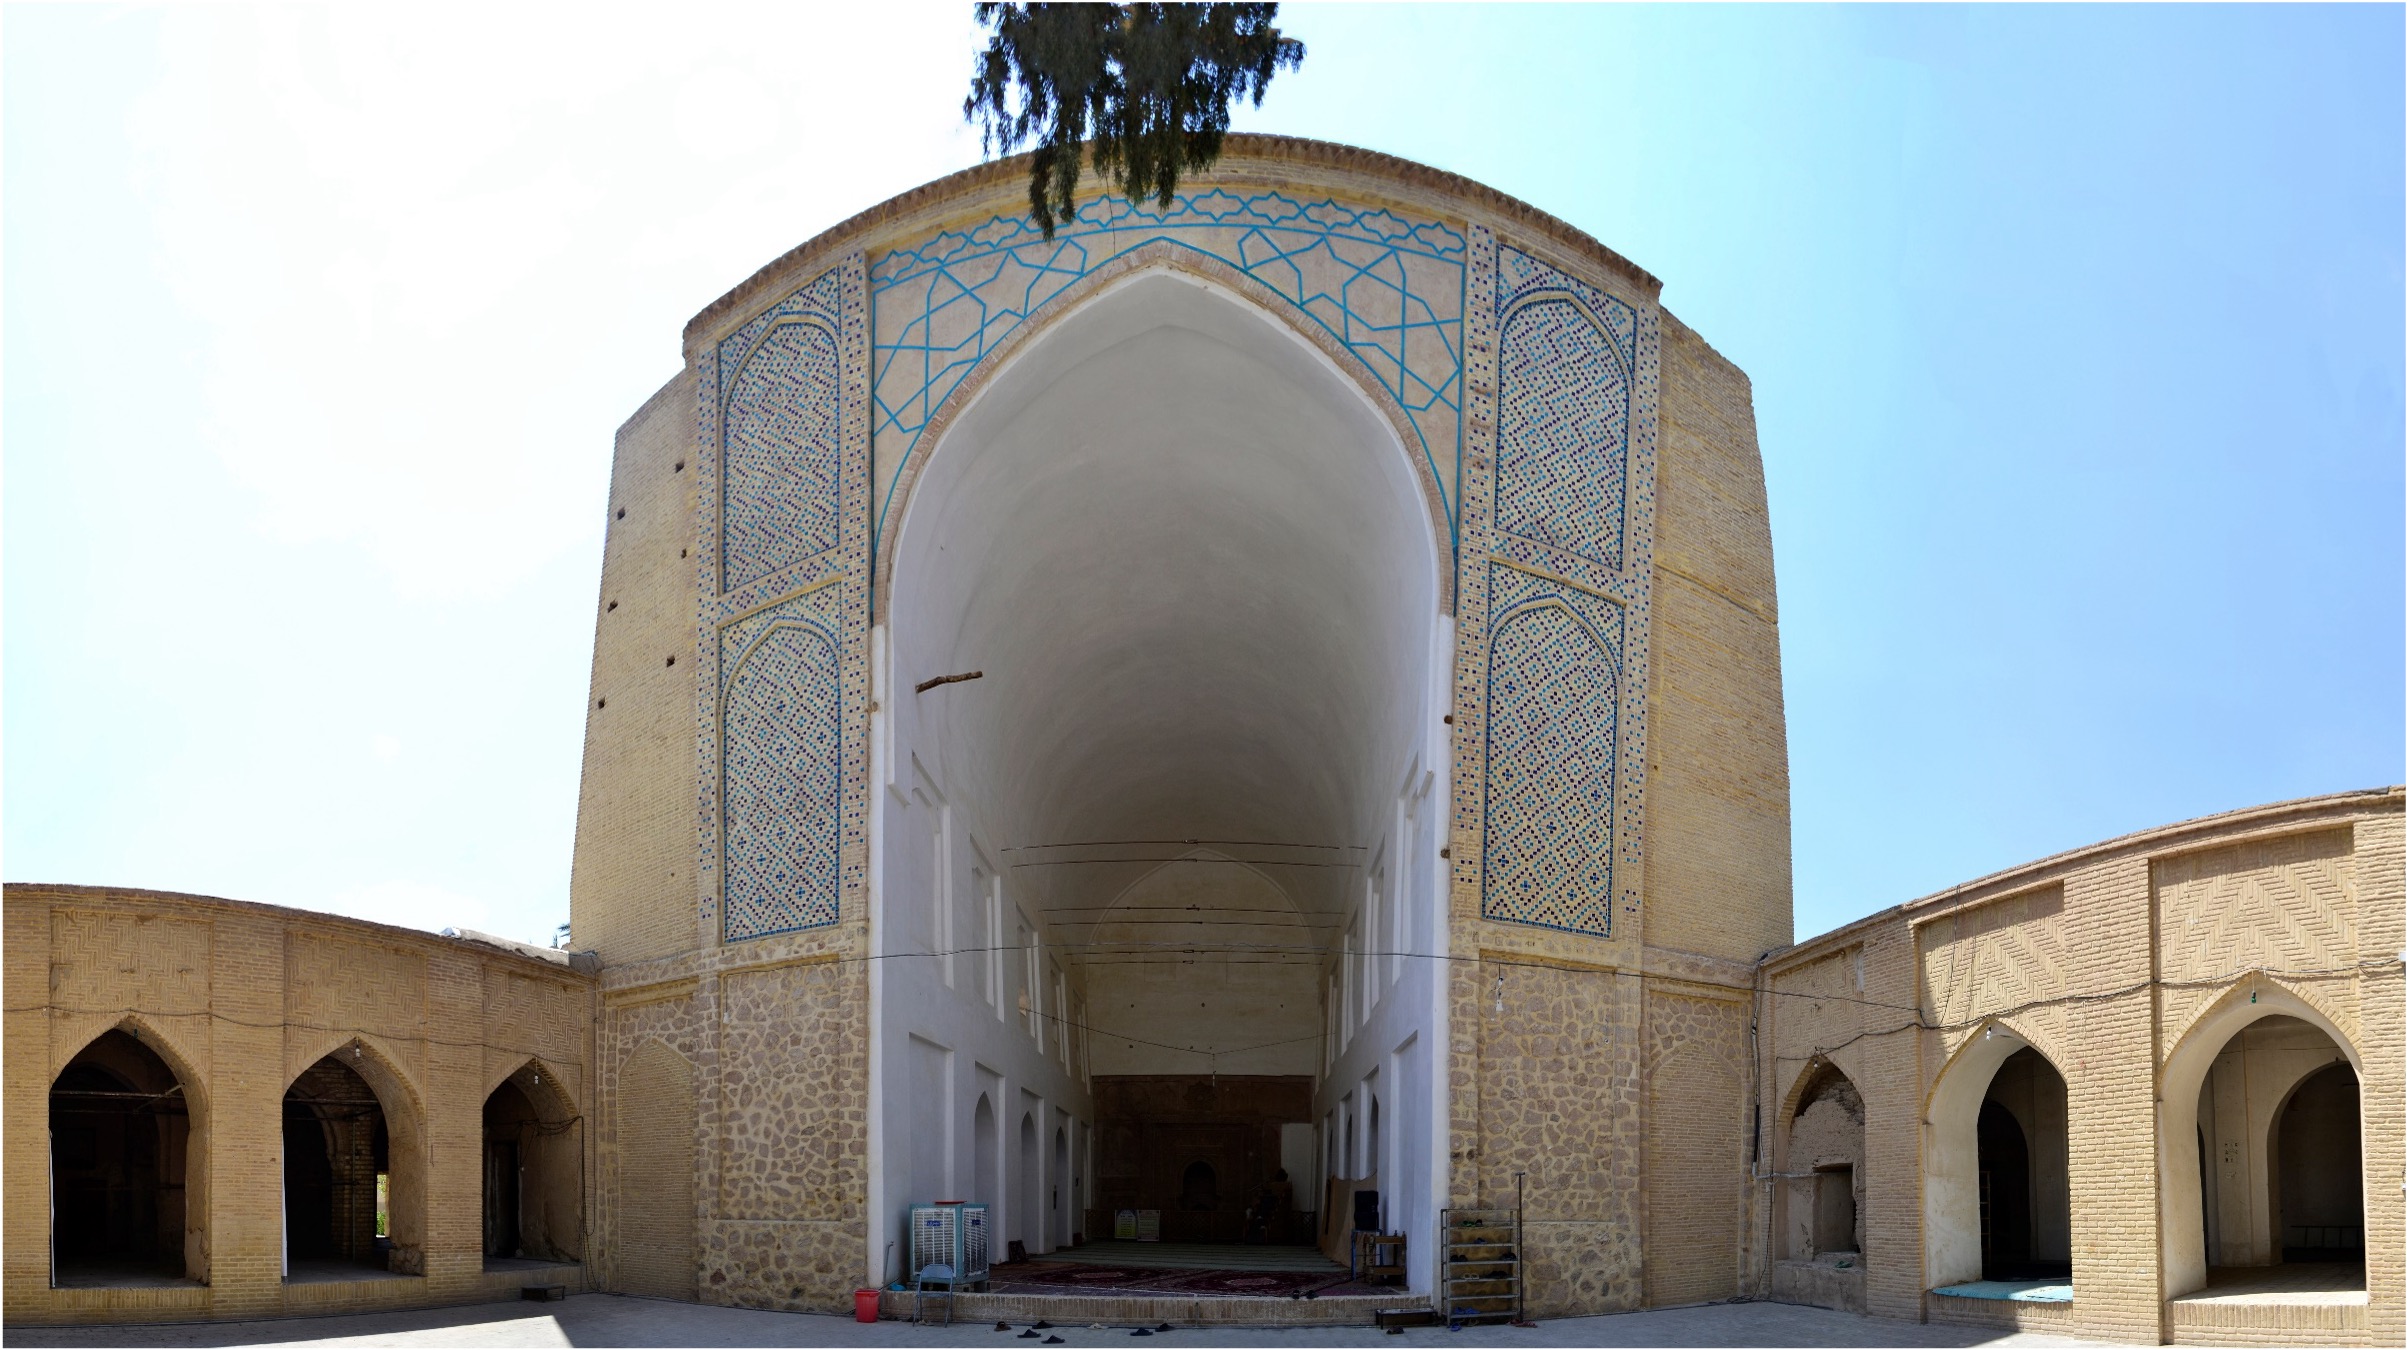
(949, 1233)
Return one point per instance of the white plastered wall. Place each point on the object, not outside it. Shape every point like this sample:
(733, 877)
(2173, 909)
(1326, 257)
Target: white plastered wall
(1200, 580)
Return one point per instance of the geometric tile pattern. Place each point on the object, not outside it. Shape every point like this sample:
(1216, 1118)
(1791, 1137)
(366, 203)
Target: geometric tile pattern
(1553, 701)
(782, 772)
(1568, 537)
(1521, 278)
(782, 454)
(782, 589)
(1563, 407)
(1559, 601)
(1387, 287)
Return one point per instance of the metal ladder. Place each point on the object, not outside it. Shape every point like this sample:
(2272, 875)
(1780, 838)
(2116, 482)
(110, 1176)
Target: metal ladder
(1479, 1274)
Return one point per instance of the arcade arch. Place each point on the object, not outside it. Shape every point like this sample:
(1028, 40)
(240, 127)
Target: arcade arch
(127, 1147)
(354, 1170)
(2261, 1140)
(1199, 576)
(1057, 1193)
(534, 1169)
(1822, 1196)
(1997, 1197)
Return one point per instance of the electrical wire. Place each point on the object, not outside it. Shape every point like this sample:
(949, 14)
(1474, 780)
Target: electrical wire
(1186, 954)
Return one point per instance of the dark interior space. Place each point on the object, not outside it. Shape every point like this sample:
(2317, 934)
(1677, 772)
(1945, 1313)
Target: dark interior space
(119, 1131)
(533, 1171)
(336, 1153)
(2005, 1196)
(2320, 1170)
(1202, 1150)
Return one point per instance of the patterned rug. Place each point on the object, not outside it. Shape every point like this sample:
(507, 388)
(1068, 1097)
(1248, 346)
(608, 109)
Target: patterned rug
(1066, 1277)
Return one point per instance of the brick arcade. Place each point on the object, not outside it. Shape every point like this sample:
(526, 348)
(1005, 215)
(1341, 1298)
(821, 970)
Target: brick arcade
(1277, 690)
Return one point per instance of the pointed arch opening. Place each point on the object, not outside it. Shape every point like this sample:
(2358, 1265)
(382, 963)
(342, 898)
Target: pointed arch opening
(354, 1171)
(127, 1147)
(1026, 1229)
(1822, 1196)
(2261, 1152)
(1997, 1195)
(1200, 579)
(534, 1171)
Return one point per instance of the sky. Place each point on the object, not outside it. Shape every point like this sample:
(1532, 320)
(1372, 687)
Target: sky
(2075, 334)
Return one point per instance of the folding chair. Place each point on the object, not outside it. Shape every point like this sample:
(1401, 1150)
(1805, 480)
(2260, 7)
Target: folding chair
(940, 1275)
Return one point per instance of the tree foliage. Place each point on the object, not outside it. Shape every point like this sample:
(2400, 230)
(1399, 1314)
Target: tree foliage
(1151, 85)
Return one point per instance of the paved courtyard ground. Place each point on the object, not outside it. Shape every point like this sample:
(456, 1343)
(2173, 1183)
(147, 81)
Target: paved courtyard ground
(610, 1320)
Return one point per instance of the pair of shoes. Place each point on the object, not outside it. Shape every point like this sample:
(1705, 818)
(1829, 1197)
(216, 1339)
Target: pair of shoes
(1028, 1335)
(1002, 1326)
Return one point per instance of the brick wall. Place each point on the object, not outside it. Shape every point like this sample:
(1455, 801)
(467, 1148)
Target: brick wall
(631, 887)
(2113, 961)
(1717, 810)
(241, 1000)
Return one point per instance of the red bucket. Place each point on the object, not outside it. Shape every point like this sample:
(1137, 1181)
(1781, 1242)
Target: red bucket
(865, 1305)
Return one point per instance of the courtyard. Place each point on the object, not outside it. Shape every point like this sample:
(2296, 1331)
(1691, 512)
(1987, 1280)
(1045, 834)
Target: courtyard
(605, 1319)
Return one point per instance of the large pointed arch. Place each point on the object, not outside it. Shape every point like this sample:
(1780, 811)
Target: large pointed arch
(1158, 256)
(1202, 578)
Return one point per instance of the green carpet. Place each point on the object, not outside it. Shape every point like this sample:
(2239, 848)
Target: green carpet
(1194, 1256)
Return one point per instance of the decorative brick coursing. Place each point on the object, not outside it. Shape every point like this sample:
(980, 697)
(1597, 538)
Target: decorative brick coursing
(239, 1000)
(2104, 959)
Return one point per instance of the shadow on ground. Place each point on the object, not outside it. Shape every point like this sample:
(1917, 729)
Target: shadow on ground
(612, 1320)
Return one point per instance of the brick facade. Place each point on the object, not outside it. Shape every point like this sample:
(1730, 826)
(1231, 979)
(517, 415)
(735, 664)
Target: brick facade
(1621, 1033)
(2119, 963)
(243, 1002)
